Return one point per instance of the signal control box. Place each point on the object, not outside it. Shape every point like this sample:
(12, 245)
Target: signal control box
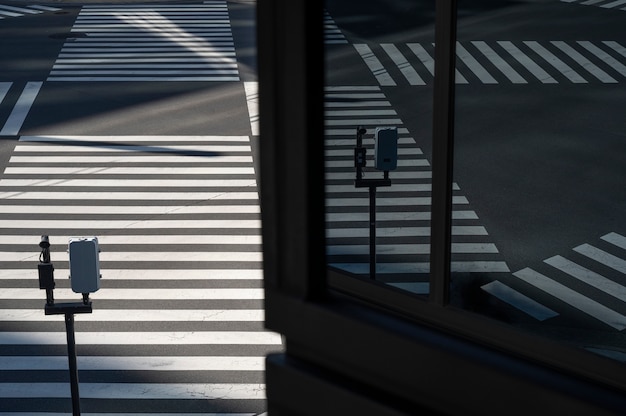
(84, 264)
(386, 148)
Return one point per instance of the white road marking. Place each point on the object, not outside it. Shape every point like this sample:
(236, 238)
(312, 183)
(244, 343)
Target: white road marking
(14, 123)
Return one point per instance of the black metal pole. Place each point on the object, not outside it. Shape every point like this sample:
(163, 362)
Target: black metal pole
(372, 232)
(71, 356)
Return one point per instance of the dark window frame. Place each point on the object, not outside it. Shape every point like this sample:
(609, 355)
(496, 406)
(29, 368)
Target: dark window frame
(388, 340)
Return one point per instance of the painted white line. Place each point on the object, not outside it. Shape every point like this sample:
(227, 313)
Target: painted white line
(144, 338)
(139, 315)
(387, 201)
(198, 57)
(96, 148)
(605, 57)
(401, 163)
(403, 65)
(527, 63)
(480, 71)
(134, 294)
(408, 268)
(603, 257)
(402, 231)
(350, 132)
(396, 216)
(350, 190)
(130, 170)
(584, 62)
(125, 183)
(125, 158)
(387, 249)
(131, 139)
(459, 78)
(499, 63)
(356, 104)
(4, 89)
(134, 196)
(616, 47)
(616, 239)
(128, 414)
(519, 301)
(150, 256)
(344, 88)
(613, 4)
(135, 72)
(357, 95)
(20, 111)
(573, 298)
(252, 98)
(143, 79)
(559, 65)
(137, 363)
(408, 142)
(364, 122)
(128, 224)
(423, 56)
(402, 151)
(149, 274)
(587, 276)
(143, 391)
(377, 68)
(111, 240)
(20, 9)
(359, 113)
(127, 210)
(10, 14)
(206, 61)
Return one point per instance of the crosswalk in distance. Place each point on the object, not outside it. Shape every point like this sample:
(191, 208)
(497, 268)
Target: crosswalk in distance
(500, 62)
(605, 4)
(332, 33)
(9, 11)
(588, 279)
(179, 42)
(403, 210)
(177, 325)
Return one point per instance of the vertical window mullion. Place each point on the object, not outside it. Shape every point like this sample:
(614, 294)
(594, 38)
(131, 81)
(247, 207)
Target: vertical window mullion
(443, 149)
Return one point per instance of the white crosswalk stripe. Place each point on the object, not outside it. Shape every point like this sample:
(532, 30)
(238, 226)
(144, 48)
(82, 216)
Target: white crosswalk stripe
(605, 4)
(576, 280)
(179, 316)
(332, 33)
(500, 62)
(149, 43)
(8, 11)
(403, 210)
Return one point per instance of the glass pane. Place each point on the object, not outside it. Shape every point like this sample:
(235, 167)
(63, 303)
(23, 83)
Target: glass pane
(379, 74)
(540, 158)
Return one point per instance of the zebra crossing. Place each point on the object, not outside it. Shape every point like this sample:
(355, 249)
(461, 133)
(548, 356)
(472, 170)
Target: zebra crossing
(605, 4)
(587, 279)
(177, 326)
(7, 11)
(127, 42)
(500, 62)
(21, 107)
(403, 210)
(332, 33)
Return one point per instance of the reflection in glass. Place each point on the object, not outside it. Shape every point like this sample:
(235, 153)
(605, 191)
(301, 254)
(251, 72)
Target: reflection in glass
(379, 61)
(539, 157)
